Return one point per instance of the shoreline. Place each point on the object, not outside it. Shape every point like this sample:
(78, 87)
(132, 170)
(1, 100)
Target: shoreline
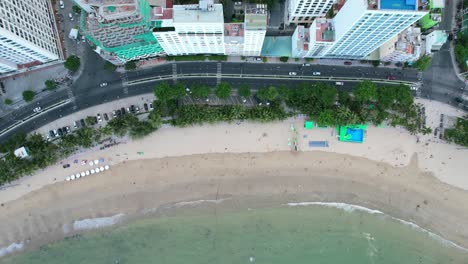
(268, 178)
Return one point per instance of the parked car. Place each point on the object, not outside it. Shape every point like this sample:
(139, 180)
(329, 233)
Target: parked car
(106, 117)
(98, 118)
(414, 88)
(339, 83)
(118, 112)
(70, 16)
(37, 109)
(316, 73)
(82, 122)
(51, 133)
(347, 63)
(306, 64)
(103, 84)
(258, 59)
(60, 132)
(132, 109)
(75, 124)
(64, 130)
(56, 133)
(128, 110)
(62, 6)
(66, 166)
(145, 106)
(123, 110)
(391, 77)
(292, 73)
(137, 109)
(114, 113)
(68, 129)
(399, 64)
(151, 106)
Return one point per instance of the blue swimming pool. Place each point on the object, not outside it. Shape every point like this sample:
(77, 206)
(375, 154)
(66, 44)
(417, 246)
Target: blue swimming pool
(357, 135)
(398, 4)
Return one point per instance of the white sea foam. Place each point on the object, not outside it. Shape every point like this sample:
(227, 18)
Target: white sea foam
(352, 207)
(11, 248)
(97, 222)
(198, 202)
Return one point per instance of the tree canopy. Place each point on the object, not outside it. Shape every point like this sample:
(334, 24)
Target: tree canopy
(244, 91)
(28, 95)
(72, 63)
(223, 90)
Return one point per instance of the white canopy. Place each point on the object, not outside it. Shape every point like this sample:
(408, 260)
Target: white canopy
(67, 178)
(102, 168)
(87, 173)
(72, 177)
(106, 167)
(83, 174)
(92, 171)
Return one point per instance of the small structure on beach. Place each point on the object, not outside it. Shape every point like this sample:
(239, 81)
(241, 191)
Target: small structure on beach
(22, 153)
(352, 133)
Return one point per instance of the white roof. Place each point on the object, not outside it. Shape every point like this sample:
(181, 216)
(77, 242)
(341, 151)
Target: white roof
(21, 152)
(191, 14)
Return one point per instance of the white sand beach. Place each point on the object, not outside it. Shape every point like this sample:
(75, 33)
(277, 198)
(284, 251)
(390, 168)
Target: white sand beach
(391, 171)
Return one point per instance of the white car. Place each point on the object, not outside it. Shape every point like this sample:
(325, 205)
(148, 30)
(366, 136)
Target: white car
(62, 6)
(103, 84)
(339, 83)
(414, 88)
(306, 64)
(37, 109)
(316, 73)
(70, 16)
(99, 119)
(292, 73)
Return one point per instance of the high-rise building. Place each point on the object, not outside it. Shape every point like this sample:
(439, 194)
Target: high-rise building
(255, 26)
(362, 26)
(193, 29)
(313, 41)
(28, 34)
(304, 11)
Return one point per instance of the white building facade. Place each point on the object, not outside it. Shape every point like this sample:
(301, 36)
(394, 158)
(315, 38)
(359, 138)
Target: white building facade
(304, 11)
(256, 18)
(28, 34)
(195, 29)
(362, 26)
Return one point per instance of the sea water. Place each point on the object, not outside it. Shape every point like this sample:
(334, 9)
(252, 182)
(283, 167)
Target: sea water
(316, 233)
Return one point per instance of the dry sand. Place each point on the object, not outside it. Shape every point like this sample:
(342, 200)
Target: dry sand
(249, 159)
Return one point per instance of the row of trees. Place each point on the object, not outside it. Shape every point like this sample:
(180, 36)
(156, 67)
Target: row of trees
(461, 51)
(459, 133)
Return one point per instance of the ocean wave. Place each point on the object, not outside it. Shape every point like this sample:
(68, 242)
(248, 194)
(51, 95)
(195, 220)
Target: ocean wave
(198, 202)
(352, 207)
(93, 223)
(11, 248)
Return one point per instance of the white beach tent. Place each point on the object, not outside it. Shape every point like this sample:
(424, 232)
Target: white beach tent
(97, 170)
(102, 168)
(77, 176)
(67, 178)
(72, 177)
(91, 163)
(83, 174)
(87, 173)
(92, 171)
(106, 167)
(96, 162)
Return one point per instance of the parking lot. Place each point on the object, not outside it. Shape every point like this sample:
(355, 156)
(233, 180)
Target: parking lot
(101, 114)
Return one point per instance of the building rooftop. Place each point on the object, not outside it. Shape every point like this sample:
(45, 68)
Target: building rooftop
(233, 30)
(325, 31)
(196, 14)
(256, 16)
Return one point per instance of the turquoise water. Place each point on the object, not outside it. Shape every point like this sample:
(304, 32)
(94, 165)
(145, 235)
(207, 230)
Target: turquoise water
(309, 234)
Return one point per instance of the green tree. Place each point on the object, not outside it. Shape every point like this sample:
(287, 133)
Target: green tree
(423, 63)
(326, 118)
(365, 91)
(284, 59)
(223, 90)
(267, 94)
(140, 129)
(50, 85)
(375, 63)
(85, 136)
(264, 59)
(8, 101)
(28, 95)
(154, 119)
(244, 91)
(76, 9)
(72, 63)
(90, 120)
(200, 91)
(178, 91)
(162, 91)
(130, 65)
(109, 67)
(386, 97)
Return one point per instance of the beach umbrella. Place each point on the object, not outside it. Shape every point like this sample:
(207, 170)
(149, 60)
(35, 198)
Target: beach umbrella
(72, 177)
(83, 174)
(102, 168)
(77, 176)
(91, 163)
(96, 162)
(68, 178)
(106, 167)
(92, 171)
(96, 170)
(87, 173)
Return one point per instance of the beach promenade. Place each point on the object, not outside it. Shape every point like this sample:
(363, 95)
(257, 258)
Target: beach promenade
(415, 178)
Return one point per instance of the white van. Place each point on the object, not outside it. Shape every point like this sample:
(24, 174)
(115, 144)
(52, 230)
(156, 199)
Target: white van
(339, 83)
(62, 6)
(316, 73)
(70, 16)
